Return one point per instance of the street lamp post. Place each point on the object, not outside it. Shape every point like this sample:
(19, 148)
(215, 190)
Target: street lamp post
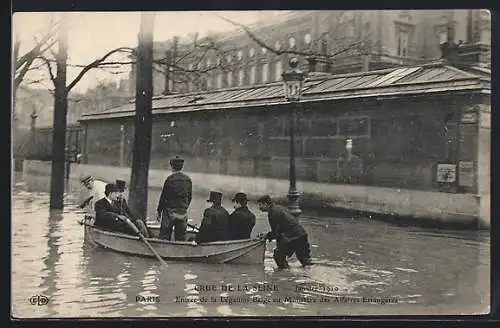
(293, 82)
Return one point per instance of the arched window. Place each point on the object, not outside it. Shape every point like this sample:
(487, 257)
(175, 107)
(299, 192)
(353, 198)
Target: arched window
(292, 42)
(241, 76)
(307, 39)
(253, 75)
(229, 79)
(443, 36)
(219, 80)
(277, 45)
(209, 82)
(240, 55)
(264, 50)
(265, 73)
(278, 70)
(251, 52)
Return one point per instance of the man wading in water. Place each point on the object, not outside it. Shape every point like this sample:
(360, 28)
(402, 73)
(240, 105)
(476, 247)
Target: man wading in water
(290, 236)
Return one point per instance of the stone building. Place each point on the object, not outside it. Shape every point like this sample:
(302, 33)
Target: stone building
(363, 40)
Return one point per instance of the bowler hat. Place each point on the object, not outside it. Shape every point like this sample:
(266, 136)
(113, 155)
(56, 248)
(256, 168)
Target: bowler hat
(215, 197)
(177, 161)
(240, 197)
(110, 187)
(266, 199)
(86, 179)
(120, 185)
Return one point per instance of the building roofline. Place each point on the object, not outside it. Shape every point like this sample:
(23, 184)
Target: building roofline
(467, 81)
(376, 96)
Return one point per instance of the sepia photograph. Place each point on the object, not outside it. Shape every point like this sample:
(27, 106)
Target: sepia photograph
(178, 164)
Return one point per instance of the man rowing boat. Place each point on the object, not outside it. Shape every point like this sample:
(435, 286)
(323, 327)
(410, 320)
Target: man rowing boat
(109, 214)
(125, 210)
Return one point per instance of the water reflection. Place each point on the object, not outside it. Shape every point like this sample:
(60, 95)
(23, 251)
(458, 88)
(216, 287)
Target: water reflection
(49, 280)
(428, 271)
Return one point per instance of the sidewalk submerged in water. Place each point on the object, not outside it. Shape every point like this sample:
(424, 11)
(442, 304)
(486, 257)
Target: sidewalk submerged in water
(398, 206)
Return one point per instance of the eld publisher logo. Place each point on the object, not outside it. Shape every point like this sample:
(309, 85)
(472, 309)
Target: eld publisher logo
(39, 300)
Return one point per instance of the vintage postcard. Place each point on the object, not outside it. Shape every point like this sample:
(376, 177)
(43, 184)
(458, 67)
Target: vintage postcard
(251, 163)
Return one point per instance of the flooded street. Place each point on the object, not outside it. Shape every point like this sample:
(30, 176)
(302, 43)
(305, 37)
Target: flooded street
(358, 264)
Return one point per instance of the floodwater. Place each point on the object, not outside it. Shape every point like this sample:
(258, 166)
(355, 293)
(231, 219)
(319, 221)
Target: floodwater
(362, 267)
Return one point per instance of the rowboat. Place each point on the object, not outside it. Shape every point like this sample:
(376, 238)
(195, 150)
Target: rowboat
(246, 251)
(154, 230)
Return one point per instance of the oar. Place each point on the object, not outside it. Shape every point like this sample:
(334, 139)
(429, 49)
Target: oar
(193, 226)
(141, 236)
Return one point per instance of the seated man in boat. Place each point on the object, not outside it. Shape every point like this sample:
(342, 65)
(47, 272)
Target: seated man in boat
(242, 220)
(125, 210)
(290, 236)
(214, 226)
(108, 215)
(93, 191)
(174, 202)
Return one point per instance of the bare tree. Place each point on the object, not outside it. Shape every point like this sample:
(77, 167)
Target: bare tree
(143, 120)
(23, 64)
(62, 89)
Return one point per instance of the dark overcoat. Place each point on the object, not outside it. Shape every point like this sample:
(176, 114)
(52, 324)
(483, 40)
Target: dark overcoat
(241, 223)
(214, 226)
(176, 193)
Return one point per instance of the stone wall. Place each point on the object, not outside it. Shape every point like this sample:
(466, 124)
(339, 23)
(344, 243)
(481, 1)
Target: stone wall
(395, 143)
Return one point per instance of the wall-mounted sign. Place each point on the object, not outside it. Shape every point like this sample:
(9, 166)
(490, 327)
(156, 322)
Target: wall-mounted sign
(466, 174)
(446, 173)
(469, 117)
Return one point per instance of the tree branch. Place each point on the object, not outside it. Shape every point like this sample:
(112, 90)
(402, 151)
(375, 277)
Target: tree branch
(278, 51)
(94, 64)
(49, 68)
(36, 50)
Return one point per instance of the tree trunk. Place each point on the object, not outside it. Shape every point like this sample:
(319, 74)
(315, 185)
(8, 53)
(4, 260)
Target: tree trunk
(59, 130)
(138, 197)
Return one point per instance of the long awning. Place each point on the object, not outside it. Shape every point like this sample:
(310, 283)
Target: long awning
(394, 82)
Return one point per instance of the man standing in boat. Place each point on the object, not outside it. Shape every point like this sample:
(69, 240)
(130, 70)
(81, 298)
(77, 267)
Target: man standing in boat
(214, 226)
(92, 192)
(174, 202)
(242, 220)
(125, 210)
(290, 236)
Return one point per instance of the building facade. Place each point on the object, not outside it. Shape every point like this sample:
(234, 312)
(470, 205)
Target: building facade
(399, 141)
(418, 129)
(356, 40)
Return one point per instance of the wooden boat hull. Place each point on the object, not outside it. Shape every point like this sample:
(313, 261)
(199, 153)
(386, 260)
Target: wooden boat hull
(154, 230)
(249, 251)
